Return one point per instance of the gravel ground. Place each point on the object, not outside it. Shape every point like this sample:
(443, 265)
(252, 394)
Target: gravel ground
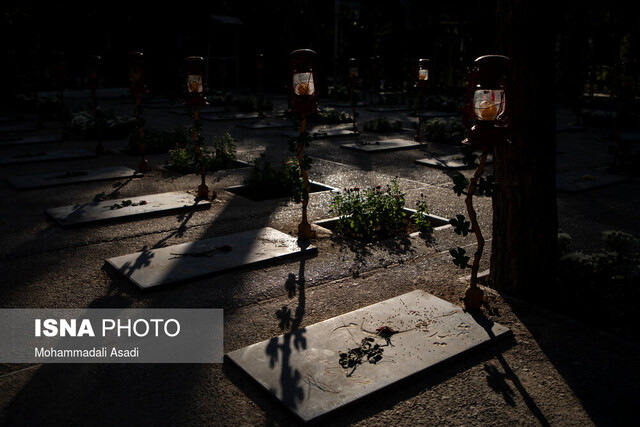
(554, 371)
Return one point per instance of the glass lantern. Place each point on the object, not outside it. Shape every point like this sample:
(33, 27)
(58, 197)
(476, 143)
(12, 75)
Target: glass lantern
(303, 98)
(93, 71)
(196, 95)
(423, 72)
(136, 73)
(485, 114)
(353, 70)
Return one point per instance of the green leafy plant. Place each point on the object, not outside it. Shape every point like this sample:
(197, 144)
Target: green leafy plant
(370, 214)
(266, 182)
(420, 218)
(382, 125)
(443, 131)
(106, 126)
(330, 116)
(250, 103)
(158, 141)
(604, 282)
(221, 156)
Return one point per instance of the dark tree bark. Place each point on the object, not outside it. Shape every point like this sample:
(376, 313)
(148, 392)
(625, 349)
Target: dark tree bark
(525, 225)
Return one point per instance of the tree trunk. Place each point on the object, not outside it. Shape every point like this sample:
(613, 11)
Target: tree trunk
(525, 225)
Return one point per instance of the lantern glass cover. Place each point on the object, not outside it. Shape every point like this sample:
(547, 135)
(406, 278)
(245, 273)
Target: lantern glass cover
(303, 84)
(423, 74)
(194, 83)
(488, 104)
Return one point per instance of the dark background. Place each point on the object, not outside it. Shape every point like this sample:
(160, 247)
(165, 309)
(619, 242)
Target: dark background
(593, 38)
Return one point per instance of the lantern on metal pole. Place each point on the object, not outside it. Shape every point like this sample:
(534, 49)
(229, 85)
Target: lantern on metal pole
(303, 101)
(486, 118)
(353, 80)
(93, 83)
(421, 83)
(138, 88)
(196, 98)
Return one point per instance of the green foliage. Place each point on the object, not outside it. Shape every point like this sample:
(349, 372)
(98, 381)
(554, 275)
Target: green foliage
(220, 99)
(221, 156)
(370, 214)
(266, 182)
(382, 125)
(343, 93)
(158, 141)
(251, 103)
(330, 116)
(443, 131)
(104, 124)
(603, 282)
(420, 217)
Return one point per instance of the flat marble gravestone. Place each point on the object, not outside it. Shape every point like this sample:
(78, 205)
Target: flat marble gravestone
(45, 156)
(451, 161)
(53, 179)
(390, 144)
(574, 181)
(328, 133)
(95, 212)
(266, 124)
(38, 139)
(389, 109)
(179, 263)
(302, 368)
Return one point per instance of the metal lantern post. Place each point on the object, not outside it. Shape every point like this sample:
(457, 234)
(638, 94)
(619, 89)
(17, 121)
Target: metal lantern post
(421, 82)
(93, 83)
(353, 80)
(486, 118)
(196, 98)
(303, 100)
(138, 88)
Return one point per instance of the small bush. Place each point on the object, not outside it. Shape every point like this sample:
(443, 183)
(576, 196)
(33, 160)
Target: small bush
(330, 116)
(158, 141)
(439, 130)
(382, 125)
(266, 182)
(103, 125)
(221, 156)
(370, 214)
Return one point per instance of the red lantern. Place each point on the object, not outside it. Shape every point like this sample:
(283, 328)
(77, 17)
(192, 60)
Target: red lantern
(423, 73)
(303, 97)
(353, 70)
(93, 71)
(486, 114)
(136, 73)
(196, 95)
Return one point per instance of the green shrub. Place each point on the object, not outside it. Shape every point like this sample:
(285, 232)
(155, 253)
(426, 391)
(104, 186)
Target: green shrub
(158, 141)
(420, 218)
(266, 182)
(330, 116)
(382, 125)
(370, 214)
(439, 130)
(221, 156)
(103, 125)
